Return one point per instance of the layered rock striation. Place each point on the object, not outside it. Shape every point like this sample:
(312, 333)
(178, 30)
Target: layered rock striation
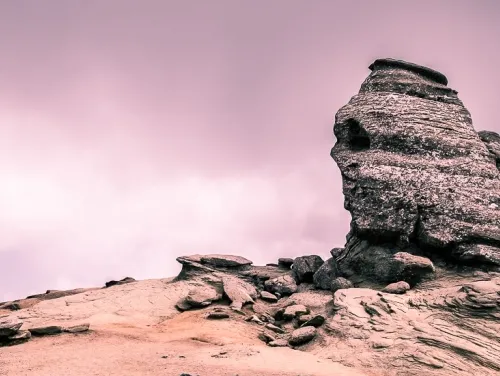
(417, 178)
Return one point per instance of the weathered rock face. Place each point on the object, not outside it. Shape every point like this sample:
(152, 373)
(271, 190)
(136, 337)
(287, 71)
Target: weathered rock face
(492, 141)
(417, 178)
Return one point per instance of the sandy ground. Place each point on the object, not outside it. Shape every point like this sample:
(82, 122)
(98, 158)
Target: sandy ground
(124, 340)
(186, 344)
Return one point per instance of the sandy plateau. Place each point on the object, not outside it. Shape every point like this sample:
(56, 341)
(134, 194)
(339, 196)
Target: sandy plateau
(135, 329)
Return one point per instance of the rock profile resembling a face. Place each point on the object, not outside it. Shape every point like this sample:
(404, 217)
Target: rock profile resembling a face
(417, 177)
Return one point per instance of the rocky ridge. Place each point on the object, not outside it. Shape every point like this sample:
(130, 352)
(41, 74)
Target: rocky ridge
(415, 290)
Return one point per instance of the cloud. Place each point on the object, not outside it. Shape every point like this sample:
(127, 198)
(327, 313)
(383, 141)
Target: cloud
(131, 132)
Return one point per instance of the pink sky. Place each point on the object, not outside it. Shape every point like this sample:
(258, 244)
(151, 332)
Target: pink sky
(132, 132)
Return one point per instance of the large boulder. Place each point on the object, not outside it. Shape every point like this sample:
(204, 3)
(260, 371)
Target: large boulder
(415, 172)
(326, 274)
(304, 268)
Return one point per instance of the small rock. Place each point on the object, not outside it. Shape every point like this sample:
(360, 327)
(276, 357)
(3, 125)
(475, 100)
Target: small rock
(114, 283)
(304, 268)
(266, 337)
(20, 336)
(268, 318)
(182, 305)
(294, 311)
(341, 283)
(272, 265)
(278, 343)
(13, 306)
(275, 328)
(283, 285)
(78, 328)
(236, 306)
(315, 321)
(336, 252)
(256, 320)
(302, 335)
(397, 288)
(9, 327)
(285, 263)
(304, 318)
(217, 315)
(382, 343)
(267, 296)
(46, 330)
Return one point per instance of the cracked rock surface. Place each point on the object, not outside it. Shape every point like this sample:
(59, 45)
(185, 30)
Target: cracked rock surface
(416, 176)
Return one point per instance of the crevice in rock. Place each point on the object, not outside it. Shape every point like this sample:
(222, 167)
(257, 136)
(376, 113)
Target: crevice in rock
(358, 139)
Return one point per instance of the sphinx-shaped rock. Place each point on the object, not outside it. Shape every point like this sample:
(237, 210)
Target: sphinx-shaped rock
(417, 177)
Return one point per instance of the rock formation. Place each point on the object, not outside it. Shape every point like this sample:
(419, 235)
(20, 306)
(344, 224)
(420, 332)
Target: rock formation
(423, 191)
(417, 178)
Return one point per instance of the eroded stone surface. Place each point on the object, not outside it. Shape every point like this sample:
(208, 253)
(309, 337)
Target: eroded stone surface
(492, 142)
(435, 330)
(416, 175)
